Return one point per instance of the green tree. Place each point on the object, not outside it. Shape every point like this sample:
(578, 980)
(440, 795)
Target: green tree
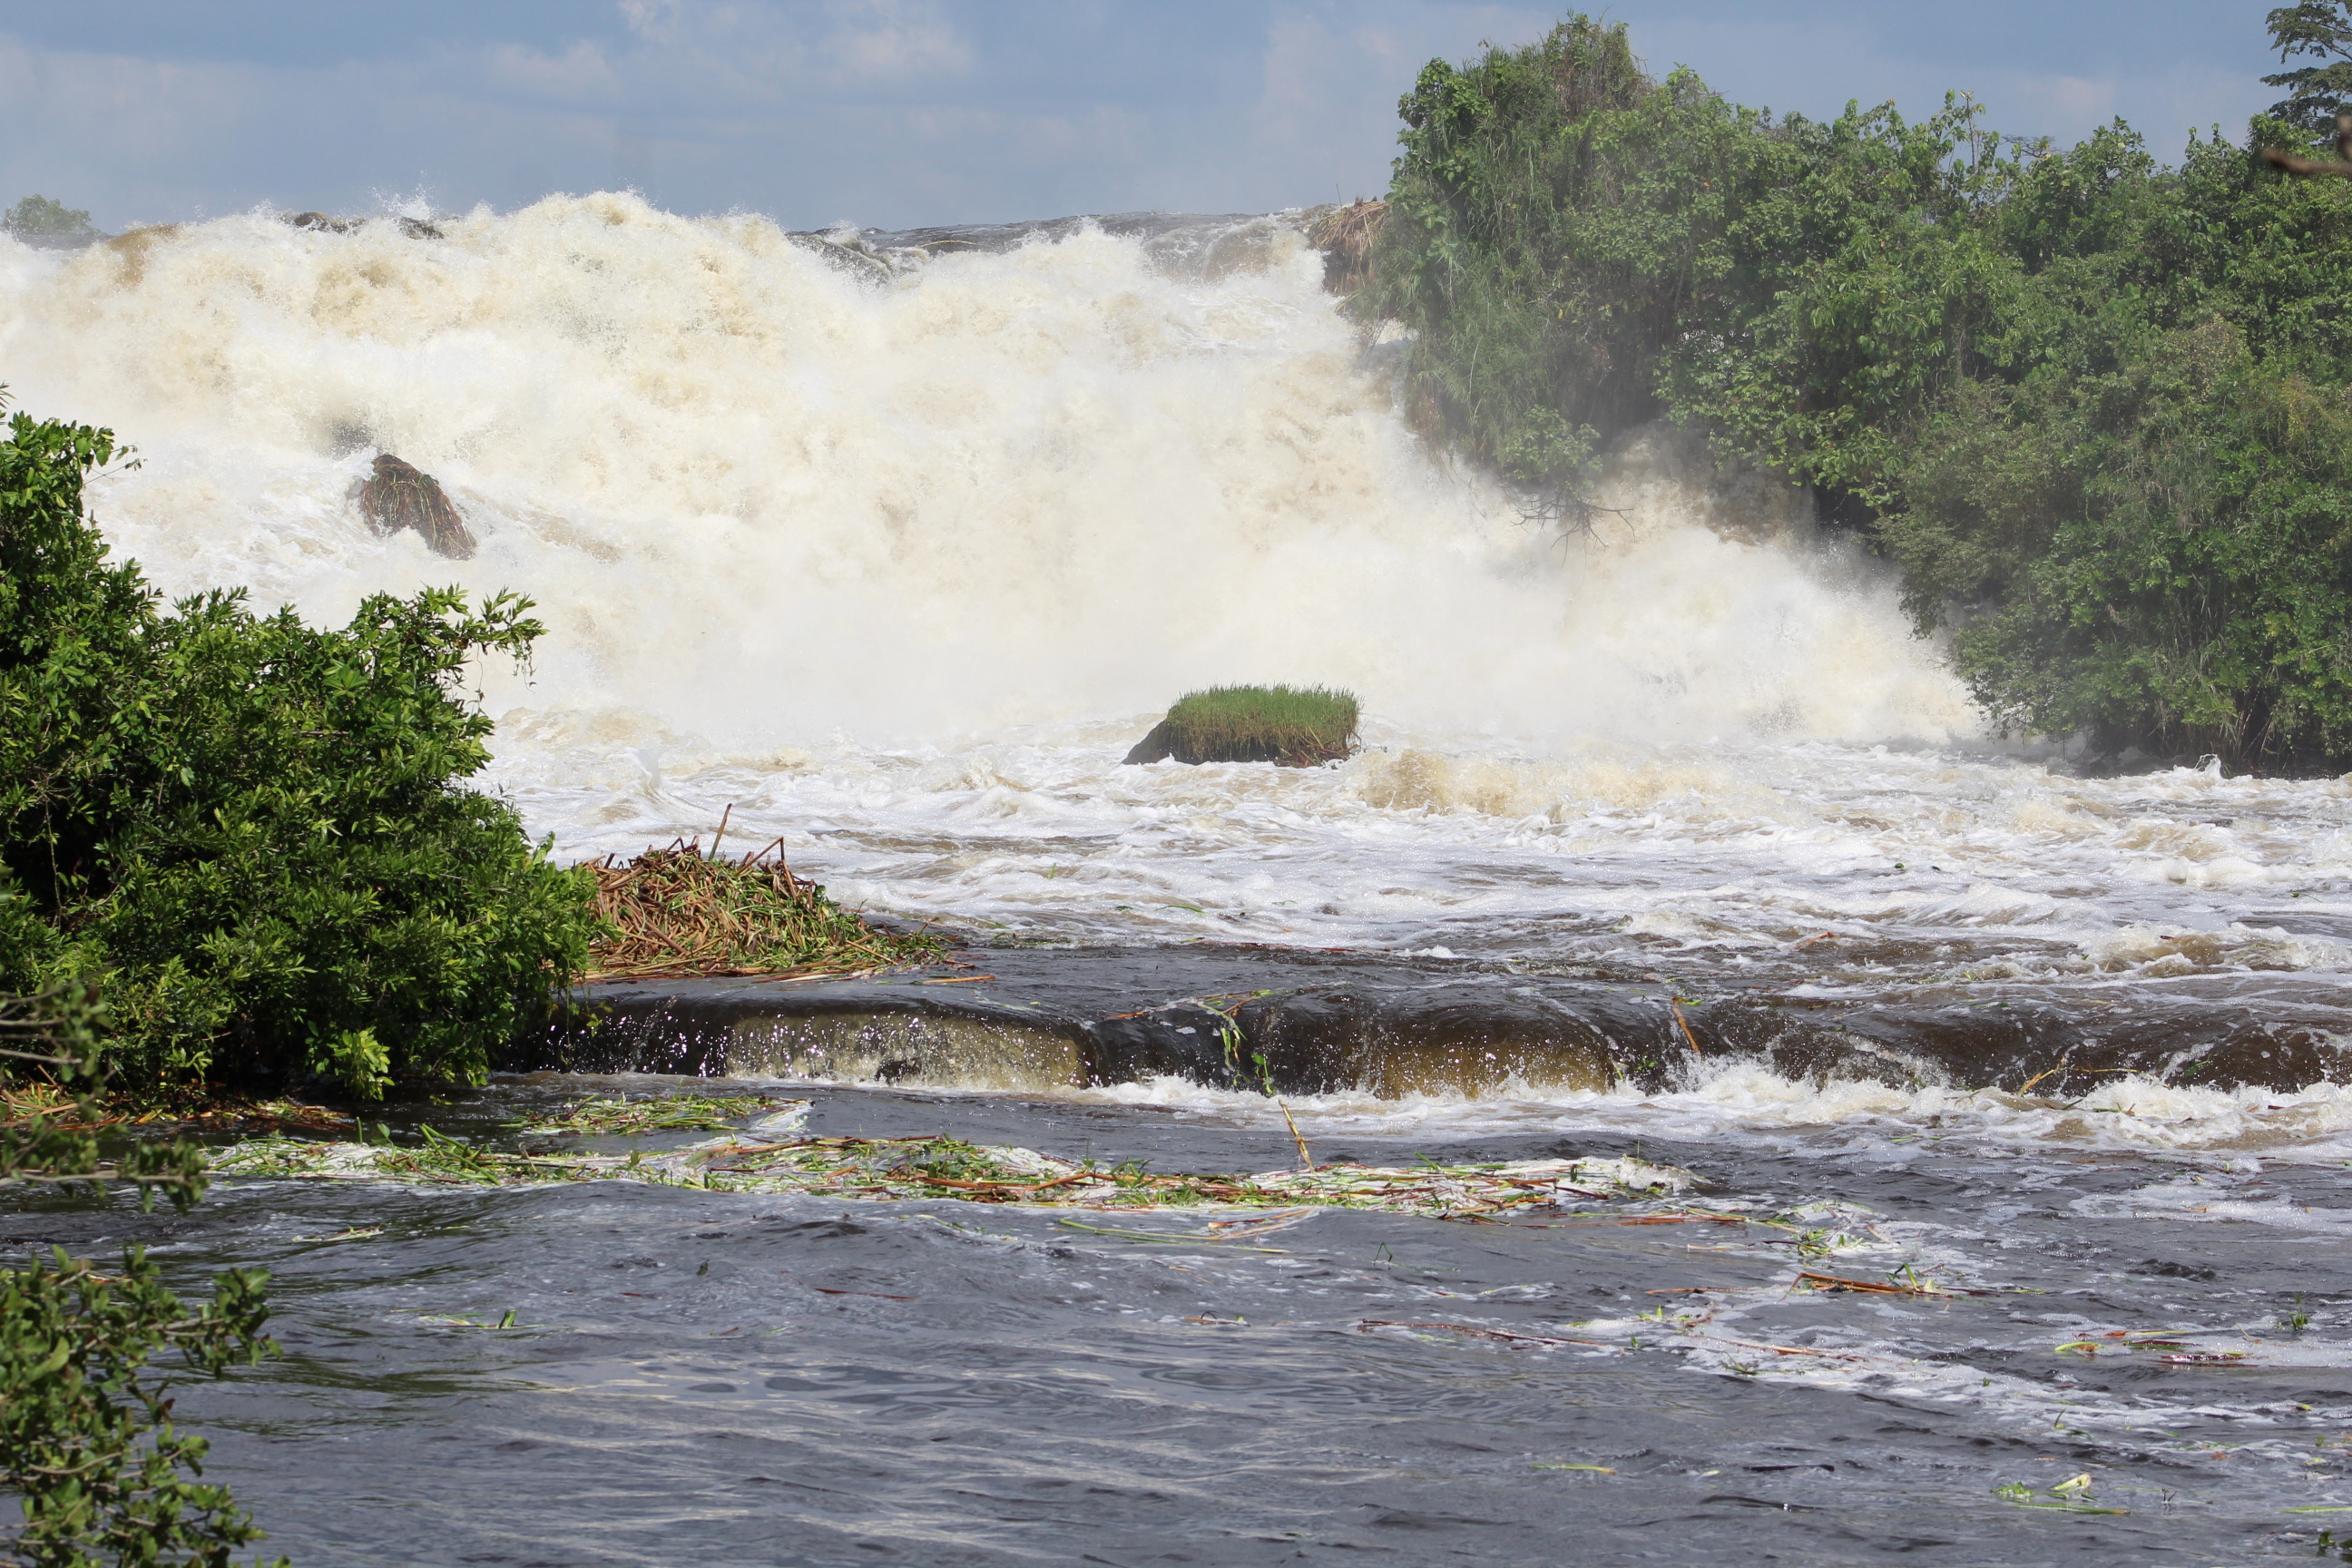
(2316, 94)
(1578, 249)
(40, 217)
(2145, 529)
(2095, 407)
(1534, 327)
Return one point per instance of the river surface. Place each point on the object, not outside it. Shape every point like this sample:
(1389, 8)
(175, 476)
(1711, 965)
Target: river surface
(712, 1378)
(889, 555)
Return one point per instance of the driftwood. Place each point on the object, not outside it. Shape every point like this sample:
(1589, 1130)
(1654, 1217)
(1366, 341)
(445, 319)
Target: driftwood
(403, 496)
(2295, 166)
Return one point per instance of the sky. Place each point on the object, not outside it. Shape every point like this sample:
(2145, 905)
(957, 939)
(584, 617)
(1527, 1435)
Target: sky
(900, 112)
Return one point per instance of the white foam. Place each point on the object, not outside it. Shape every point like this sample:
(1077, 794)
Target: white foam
(2225, 1128)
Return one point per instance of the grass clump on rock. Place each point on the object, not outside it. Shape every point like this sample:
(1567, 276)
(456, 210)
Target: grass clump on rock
(1296, 727)
(678, 912)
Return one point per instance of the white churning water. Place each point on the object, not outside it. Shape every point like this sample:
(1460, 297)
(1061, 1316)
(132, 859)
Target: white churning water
(900, 569)
(762, 500)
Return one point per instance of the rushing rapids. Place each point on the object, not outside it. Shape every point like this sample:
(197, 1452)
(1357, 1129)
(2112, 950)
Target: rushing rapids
(2013, 1093)
(893, 544)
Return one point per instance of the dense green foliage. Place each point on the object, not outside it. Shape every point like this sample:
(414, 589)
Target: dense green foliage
(1580, 248)
(40, 217)
(1296, 726)
(2096, 407)
(250, 833)
(88, 1449)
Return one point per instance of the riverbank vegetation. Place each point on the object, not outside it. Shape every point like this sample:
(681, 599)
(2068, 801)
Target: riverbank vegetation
(1300, 727)
(251, 834)
(2098, 407)
(89, 1451)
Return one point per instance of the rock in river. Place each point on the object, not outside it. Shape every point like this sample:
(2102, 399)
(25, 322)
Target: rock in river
(401, 495)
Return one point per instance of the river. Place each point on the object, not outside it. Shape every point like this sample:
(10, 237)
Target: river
(890, 556)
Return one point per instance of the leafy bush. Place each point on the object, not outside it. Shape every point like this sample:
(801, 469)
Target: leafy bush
(87, 1444)
(251, 832)
(2095, 406)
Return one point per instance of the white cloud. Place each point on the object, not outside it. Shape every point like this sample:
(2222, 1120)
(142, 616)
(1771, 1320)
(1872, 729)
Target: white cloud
(895, 40)
(582, 72)
(654, 19)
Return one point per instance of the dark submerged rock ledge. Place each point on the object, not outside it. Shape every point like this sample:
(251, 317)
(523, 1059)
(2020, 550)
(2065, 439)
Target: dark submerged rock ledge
(1307, 1022)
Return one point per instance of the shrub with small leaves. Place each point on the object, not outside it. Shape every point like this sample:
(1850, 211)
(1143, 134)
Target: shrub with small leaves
(88, 1447)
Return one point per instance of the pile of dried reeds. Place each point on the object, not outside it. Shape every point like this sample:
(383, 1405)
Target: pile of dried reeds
(676, 912)
(1345, 236)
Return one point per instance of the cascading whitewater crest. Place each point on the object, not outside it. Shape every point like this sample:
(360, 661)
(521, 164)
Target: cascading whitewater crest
(760, 498)
(896, 560)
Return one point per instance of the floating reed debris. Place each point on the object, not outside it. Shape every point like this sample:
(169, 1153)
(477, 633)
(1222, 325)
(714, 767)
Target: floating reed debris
(1833, 1282)
(1296, 727)
(677, 914)
(903, 1168)
(616, 1116)
(401, 495)
(40, 1101)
